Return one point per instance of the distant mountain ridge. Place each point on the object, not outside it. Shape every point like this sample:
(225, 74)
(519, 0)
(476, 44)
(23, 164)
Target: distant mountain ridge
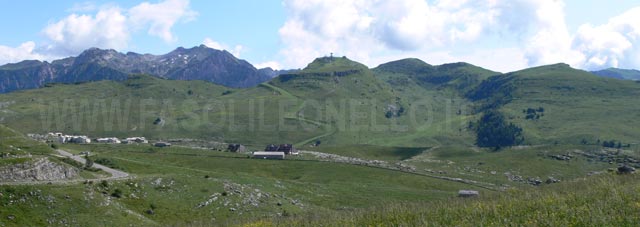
(197, 63)
(623, 74)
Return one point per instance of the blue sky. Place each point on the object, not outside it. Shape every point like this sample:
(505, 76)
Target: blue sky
(503, 35)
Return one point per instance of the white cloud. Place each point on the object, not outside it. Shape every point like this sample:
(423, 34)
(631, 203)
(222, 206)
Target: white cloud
(365, 30)
(236, 50)
(75, 33)
(22, 52)
(270, 64)
(615, 44)
(534, 32)
(161, 17)
(110, 27)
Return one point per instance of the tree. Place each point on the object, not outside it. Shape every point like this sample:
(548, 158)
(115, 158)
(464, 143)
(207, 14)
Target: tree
(492, 130)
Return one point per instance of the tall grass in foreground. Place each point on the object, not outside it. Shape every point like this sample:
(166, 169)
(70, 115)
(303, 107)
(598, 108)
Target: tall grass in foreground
(597, 201)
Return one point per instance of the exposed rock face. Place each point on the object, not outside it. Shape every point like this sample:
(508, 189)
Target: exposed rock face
(37, 170)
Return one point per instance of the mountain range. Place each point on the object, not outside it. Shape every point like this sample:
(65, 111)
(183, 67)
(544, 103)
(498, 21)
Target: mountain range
(197, 63)
(623, 74)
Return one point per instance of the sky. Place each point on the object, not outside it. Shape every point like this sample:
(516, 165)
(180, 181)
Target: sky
(501, 35)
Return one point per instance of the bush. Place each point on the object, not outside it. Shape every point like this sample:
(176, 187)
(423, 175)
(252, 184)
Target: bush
(88, 163)
(117, 193)
(104, 184)
(72, 162)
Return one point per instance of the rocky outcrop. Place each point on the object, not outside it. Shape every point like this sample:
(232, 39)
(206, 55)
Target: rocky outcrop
(40, 169)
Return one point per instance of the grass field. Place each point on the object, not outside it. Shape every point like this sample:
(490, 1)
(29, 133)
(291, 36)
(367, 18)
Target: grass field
(174, 181)
(597, 201)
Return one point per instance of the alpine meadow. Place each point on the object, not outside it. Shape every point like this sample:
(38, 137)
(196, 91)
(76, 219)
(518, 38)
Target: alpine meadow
(365, 132)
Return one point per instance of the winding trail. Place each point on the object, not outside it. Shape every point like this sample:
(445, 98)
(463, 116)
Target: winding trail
(115, 174)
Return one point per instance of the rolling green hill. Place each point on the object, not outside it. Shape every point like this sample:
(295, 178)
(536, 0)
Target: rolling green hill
(564, 105)
(14, 143)
(337, 102)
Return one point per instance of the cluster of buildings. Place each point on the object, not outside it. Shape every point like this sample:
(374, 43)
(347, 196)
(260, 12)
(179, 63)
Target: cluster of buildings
(272, 151)
(62, 138)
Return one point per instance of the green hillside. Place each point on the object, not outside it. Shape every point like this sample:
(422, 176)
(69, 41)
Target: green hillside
(338, 102)
(559, 104)
(14, 143)
(598, 201)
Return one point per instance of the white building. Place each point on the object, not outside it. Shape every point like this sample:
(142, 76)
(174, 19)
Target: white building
(74, 139)
(108, 140)
(268, 155)
(135, 140)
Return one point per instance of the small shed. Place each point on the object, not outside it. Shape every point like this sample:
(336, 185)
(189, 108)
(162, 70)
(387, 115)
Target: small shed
(268, 155)
(468, 193)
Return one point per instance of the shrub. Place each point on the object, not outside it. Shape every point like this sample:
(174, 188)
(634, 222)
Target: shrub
(117, 193)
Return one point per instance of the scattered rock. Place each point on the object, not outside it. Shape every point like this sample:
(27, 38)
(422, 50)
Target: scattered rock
(562, 157)
(11, 217)
(552, 180)
(232, 209)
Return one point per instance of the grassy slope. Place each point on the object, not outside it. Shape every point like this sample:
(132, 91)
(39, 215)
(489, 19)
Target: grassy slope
(15, 143)
(435, 94)
(596, 201)
(320, 186)
(578, 105)
(342, 97)
(190, 109)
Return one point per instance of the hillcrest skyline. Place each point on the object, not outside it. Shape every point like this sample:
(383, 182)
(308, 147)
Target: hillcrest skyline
(499, 35)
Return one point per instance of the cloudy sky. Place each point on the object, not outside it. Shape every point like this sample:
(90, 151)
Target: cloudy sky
(503, 35)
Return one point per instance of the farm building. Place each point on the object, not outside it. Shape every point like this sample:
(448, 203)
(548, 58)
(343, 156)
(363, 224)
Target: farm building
(468, 193)
(268, 155)
(234, 147)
